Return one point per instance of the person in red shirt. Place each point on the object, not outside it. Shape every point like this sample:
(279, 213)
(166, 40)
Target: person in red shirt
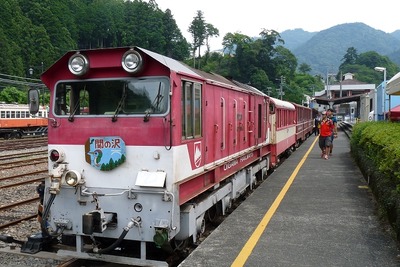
(325, 135)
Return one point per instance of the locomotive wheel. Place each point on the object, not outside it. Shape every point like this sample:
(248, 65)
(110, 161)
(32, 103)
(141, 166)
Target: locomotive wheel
(212, 214)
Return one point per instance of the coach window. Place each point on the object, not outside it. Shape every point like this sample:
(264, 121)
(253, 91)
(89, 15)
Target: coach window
(191, 110)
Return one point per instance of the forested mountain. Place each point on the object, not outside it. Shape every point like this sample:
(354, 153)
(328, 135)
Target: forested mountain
(296, 38)
(396, 34)
(324, 50)
(34, 33)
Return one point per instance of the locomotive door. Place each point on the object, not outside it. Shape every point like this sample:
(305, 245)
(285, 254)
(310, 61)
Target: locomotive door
(258, 122)
(213, 120)
(251, 129)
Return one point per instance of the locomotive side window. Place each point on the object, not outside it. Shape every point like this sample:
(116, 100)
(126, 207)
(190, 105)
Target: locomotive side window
(191, 110)
(112, 97)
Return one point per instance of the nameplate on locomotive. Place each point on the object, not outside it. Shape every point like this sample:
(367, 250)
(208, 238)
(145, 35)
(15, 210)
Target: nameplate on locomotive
(105, 153)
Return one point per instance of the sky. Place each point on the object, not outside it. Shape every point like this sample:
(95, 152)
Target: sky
(249, 17)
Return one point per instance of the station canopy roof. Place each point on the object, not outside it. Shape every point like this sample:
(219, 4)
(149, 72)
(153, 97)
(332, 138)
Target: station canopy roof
(335, 101)
(393, 85)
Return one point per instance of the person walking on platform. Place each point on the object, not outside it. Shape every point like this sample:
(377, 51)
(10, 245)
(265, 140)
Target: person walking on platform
(325, 135)
(330, 115)
(316, 125)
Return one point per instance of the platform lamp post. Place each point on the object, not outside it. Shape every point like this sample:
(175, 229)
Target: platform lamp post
(383, 69)
(31, 70)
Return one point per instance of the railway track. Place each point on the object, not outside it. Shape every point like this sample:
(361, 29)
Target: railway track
(346, 128)
(23, 155)
(25, 143)
(20, 173)
(20, 163)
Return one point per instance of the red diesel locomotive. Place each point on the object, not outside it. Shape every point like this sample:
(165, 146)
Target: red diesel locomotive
(143, 149)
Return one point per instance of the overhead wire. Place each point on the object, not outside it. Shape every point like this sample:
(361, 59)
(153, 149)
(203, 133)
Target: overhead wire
(6, 80)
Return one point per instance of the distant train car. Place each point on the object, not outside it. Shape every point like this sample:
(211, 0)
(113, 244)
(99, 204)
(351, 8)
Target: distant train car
(282, 117)
(144, 150)
(16, 121)
(304, 123)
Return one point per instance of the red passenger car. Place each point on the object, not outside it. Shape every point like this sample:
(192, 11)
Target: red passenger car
(304, 123)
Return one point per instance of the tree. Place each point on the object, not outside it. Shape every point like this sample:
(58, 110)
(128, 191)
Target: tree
(176, 45)
(232, 40)
(198, 30)
(285, 62)
(13, 95)
(350, 57)
(304, 68)
(259, 80)
(363, 67)
(211, 31)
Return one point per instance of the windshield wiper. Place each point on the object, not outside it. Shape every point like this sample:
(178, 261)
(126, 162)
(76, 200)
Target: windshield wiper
(76, 107)
(119, 106)
(77, 104)
(155, 106)
(157, 100)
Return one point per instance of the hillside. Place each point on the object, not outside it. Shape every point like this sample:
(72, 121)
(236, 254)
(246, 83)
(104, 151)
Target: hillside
(324, 50)
(295, 38)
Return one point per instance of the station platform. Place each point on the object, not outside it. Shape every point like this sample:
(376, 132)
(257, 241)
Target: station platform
(308, 212)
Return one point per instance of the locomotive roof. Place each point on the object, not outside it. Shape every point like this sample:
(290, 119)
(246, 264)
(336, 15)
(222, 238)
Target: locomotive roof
(178, 66)
(169, 62)
(172, 64)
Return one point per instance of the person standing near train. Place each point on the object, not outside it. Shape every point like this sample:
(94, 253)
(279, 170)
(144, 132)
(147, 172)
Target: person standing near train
(326, 128)
(331, 116)
(317, 120)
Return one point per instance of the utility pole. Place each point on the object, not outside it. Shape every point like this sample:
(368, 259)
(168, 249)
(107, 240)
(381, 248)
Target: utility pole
(341, 78)
(281, 93)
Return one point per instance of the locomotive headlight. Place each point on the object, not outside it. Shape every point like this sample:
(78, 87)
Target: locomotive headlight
(57, 155)
(72, 178)
(132, 61)
(78, 64)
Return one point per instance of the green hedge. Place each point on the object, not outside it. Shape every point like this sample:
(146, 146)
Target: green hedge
(376, 148)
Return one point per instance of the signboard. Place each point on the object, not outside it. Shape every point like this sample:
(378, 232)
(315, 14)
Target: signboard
(105, 153)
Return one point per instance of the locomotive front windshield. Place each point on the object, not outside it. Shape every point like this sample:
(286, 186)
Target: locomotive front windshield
(112, 97)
